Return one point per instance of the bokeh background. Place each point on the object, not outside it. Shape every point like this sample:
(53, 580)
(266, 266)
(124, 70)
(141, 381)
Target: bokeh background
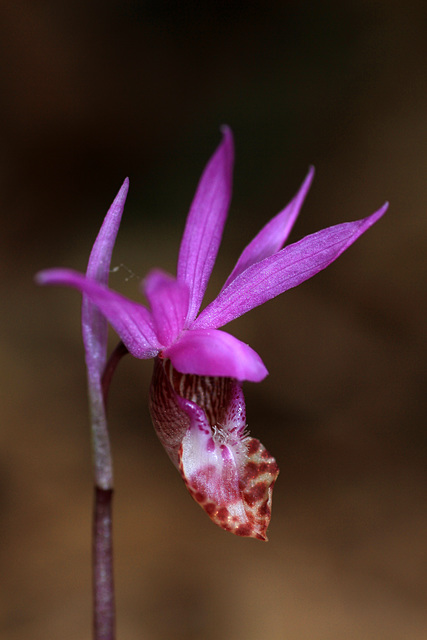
(93, 91)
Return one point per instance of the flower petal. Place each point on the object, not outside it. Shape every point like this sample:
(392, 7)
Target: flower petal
(273, 236)
(215, 353)
(230, 476)
(201, 422)
(170, 422)
(205, 223)
(169, 304)
(100, 257)
(132, 321)
(94, 324)
(286, 269)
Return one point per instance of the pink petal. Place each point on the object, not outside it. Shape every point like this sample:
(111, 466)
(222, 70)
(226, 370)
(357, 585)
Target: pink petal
(286, 269)
(169, 304)
(205, 223)
(94, 324)
(215, 353)
(132, 321)
(275, 233)
(100, 257)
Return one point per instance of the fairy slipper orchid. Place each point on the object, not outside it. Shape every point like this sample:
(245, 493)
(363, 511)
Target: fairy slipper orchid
(196, 398)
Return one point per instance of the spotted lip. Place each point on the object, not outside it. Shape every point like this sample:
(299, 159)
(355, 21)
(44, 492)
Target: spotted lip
(201, 422)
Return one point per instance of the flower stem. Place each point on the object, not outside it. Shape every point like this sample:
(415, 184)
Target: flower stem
(110, 367)
(102, 530)
(103, 584)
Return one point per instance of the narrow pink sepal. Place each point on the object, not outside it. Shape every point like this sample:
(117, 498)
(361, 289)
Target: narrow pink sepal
(273, 236)
(282, 271)
(215, 353)
(132, 321)
(205, 224)
(100, 257)
(168, 301)
(94, 323)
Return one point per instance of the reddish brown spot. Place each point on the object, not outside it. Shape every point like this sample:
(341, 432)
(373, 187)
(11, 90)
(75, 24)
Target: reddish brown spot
(250, 516)
(259, 536)
(250, 473)
(252, 468)
(255, 494)
(210, 508)
(223, 513)
(264, 509)
(253, 446)
(199, 497)
(247, 498)
(243, 530)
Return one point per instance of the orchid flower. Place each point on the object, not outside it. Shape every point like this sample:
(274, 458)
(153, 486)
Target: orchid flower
(196, 399)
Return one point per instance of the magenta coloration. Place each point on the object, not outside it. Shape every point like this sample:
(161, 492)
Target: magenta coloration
(172, 326)
(196, 401)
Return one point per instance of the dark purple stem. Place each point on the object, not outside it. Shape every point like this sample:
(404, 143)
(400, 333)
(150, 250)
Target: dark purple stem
(103, 578)
(110, 368)
(104, 613)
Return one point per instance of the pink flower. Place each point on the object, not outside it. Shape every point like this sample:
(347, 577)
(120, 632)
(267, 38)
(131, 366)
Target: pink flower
(196, 398)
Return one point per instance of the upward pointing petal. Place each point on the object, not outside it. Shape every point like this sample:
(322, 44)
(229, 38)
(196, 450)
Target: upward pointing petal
(205, 223)
(273, 236)
(286, 269)
(94, 324)
(100, 257)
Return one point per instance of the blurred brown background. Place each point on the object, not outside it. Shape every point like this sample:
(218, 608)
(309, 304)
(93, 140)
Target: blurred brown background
(93, 91)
